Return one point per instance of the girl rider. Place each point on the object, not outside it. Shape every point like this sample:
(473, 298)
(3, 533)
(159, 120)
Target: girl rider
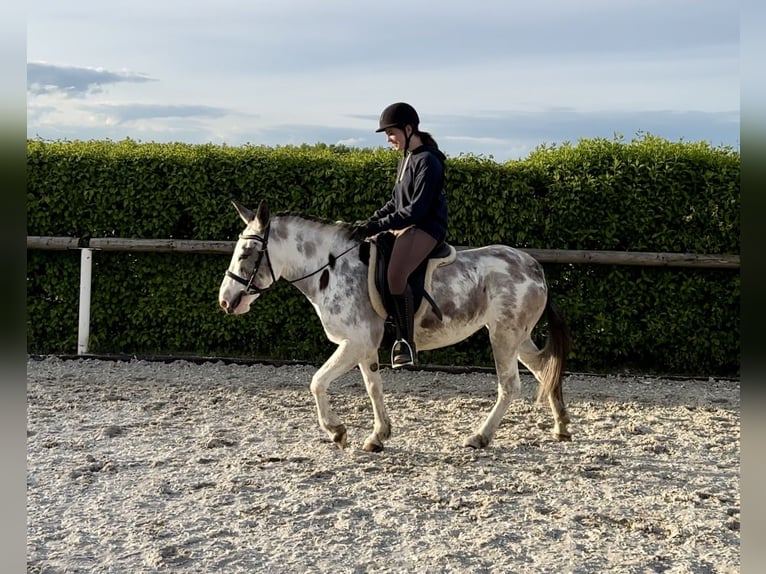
(416, 214)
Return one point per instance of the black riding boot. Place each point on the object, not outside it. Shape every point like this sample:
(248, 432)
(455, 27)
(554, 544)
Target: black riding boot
(403, 352)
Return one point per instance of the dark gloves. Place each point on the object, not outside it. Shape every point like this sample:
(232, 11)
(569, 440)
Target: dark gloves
(363, 229)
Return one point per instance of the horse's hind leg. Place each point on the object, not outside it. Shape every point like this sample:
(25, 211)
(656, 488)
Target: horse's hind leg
(372, 381)
(536, 361)
(504, 344)
(340, 362)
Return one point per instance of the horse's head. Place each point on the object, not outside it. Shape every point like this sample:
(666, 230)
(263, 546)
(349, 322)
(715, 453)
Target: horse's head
(250, 272)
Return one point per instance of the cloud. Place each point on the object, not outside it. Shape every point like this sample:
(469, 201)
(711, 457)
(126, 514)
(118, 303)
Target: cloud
(502, 135)
(508, 135)
(559, 125)
(499, 81)
(74, 82)
(278, 39)
(74, 120)
(352, 142)
(134, 112)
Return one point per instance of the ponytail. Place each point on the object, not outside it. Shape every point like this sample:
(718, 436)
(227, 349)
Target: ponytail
(427, 139)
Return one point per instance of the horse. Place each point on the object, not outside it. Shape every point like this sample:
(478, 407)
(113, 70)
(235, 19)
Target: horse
(496, 286)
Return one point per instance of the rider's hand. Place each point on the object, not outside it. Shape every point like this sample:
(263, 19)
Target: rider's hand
(363, 229)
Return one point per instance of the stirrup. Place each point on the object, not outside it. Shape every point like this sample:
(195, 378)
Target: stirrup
(402, 354)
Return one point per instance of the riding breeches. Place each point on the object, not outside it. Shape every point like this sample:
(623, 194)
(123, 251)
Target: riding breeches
(411, 247)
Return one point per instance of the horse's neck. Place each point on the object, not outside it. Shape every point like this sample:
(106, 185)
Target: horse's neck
(304, 246)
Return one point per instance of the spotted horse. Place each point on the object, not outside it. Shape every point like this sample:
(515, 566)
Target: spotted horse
(496, 287)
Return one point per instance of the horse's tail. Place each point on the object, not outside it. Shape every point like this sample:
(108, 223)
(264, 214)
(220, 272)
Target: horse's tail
(553, 355)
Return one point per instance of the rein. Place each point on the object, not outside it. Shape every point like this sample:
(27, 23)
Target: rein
(251, 289)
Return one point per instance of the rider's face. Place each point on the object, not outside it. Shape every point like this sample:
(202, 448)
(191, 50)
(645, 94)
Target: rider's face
(395, 137)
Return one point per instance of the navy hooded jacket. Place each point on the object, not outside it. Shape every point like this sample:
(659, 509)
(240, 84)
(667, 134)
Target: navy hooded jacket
(418, 197)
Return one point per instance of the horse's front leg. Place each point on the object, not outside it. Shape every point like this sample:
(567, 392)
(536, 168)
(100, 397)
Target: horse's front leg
(372, 381)
(340, 362)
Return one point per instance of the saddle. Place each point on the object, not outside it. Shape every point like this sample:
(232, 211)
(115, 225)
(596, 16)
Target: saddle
(377, 253)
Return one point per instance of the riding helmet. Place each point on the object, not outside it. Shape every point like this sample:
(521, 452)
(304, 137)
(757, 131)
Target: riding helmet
(398, 115)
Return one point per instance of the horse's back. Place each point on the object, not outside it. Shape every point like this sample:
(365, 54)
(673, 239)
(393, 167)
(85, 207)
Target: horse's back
(501, 258)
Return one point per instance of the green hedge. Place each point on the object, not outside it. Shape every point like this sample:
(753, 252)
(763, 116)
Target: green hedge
(644, 195)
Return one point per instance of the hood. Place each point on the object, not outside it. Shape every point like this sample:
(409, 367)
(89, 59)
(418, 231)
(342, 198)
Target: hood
(433, 149)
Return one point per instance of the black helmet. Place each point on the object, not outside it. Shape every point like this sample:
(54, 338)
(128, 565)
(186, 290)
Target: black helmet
(398, 115)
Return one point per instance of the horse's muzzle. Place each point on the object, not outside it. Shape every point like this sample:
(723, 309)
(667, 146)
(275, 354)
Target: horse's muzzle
(230, 306)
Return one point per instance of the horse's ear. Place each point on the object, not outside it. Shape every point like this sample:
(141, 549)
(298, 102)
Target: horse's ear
(246, 214)
(263, 213)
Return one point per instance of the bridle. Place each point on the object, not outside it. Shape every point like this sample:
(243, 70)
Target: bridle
(251, 289)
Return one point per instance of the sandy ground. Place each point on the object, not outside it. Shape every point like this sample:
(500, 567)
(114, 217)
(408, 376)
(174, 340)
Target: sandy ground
(176, 467)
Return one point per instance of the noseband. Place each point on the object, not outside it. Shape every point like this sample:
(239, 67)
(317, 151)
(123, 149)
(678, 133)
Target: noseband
(251, 289)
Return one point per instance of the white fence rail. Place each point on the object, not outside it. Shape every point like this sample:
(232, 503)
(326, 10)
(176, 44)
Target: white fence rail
(643, 258)
(88, 245)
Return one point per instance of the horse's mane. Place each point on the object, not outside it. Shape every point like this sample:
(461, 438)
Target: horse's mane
(339, 224)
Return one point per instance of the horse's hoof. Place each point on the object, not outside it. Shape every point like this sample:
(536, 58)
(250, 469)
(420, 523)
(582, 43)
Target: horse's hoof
(476, 441)
(370, 446)
(340, 437)
(563, 437)
(341, 443)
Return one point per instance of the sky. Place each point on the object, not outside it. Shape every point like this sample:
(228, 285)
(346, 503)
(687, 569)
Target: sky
(493, 78)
